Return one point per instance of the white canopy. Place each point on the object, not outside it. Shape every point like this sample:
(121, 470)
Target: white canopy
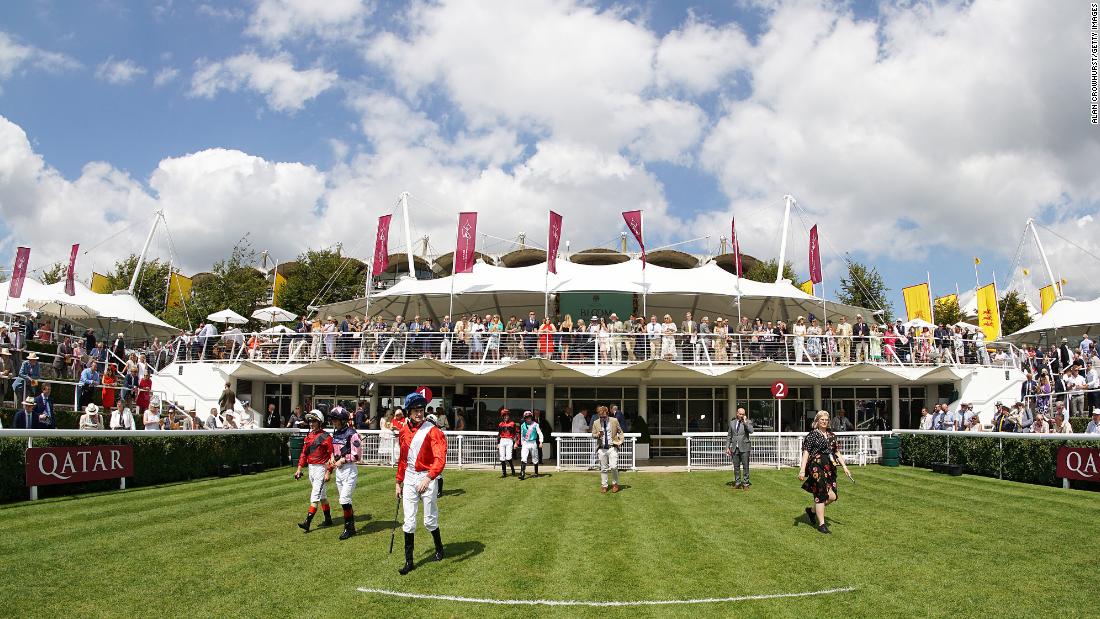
(919, 323)
(273, 314)
(1066, 318)
(57, 308)
(118, 311)
(227, 316)
(277, 330)
(708, 289)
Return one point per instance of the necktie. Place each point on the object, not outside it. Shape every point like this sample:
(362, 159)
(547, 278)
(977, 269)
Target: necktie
(606, 432)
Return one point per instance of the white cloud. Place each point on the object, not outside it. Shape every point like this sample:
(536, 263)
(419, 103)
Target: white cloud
(224, 13)
(698, 56)
(15, 56)
(285, 88)
(165, 76)
(275, 21)
(119, 71)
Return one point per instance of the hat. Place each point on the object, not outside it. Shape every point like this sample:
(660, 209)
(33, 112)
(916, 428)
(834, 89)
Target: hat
(32, 356)
(415, 400)
(315, 415)
(432, 418)
(28, 402)
(1065, 340)
(91, 409)
(504, 412)
(4, 351)
(340, 414)
(530, 414)
(614, 315)
(593, 318)
(1096, 411)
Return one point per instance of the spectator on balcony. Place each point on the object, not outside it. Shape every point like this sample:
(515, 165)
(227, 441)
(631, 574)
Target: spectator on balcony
(690, 329)
(844, 340)
(630, 337)
(110, 382)
(1092, 384)
(875, 344)
(615, 328)
(889, 345)
(63, 358)
(1094, 425)
(546, 338)
(861, 334)
(813, 341)
(530, 328)
(1075, 384)
(6, 374)
(799, 332)
(702, 340)
(495, 329)
(476, 329)
(121, 417)
(565, 337)
(29, 374)
(721, 340)
(89, 380)
(603, 340)
(668, 339)
(1085, 346)
(654, 336)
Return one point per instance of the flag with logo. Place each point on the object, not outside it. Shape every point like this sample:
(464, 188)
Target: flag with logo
(179, 290)
(466, 246)
(989, 316)
(1047, 296)
(19, 272)
(381, 245)
(634, 222)
(553, 237)
(70, 282)
(100, 284)
(917, 304)
(815, 257)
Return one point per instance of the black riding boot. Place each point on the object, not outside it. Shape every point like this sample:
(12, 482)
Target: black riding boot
(305, 523)
(349, 523)
(438, 545)
(440, 479)
(512, 464)
(523, 470)
(536, 468)
(503, 470)
(408, 555)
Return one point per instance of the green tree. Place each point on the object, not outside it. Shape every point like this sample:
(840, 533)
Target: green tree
(54, 273)
(322, 276)
(765, 270)
(233, 283)
(948, 311)
(152, 284)
(864, 287)
(1014, 314)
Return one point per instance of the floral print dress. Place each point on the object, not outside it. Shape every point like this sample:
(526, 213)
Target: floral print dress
(820, 469)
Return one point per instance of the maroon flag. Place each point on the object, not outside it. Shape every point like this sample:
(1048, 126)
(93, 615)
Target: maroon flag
(70, 285)
(815, 257)
(19, 272)
(466, 247)
(382, 245)
(552, 243)
(736, 246)
(634, 222)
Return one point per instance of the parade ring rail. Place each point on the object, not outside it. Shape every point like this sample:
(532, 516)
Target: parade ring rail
(739, 598)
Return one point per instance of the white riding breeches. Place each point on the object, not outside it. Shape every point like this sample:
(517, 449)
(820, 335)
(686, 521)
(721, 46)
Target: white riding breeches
(347, 476)
(320, 486)
(411, 500)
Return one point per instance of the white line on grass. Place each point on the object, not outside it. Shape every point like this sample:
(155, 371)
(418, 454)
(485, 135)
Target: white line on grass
(739, 598)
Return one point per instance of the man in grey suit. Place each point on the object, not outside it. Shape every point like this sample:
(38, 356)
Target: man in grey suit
(738, 448)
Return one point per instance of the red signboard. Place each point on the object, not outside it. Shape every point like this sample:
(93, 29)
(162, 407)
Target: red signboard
(1079, 463)
(779, 390)
(69, 465)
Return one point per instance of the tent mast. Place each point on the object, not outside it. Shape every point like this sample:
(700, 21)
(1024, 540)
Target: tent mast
(144, 250)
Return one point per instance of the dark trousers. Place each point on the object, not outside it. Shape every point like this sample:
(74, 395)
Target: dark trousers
(740, 467)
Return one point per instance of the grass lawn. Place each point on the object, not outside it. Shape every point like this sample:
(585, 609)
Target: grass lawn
(912, 543)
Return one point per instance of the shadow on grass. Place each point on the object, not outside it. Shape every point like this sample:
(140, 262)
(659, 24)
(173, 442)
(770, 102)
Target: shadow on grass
(802, 519)
(453, 492)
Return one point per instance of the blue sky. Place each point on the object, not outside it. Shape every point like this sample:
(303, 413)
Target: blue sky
(298, 123)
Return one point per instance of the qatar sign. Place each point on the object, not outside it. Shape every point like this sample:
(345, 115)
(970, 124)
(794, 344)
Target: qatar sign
(1079, 463)
(69, 465)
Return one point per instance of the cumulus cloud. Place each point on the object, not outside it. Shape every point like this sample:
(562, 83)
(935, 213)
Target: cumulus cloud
(165, 76)
(274, 21)
(698, 56)
(119, 71)
(285, 88)
(16, 56)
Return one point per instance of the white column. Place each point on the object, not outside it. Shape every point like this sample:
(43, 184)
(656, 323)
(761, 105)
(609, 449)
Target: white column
(895, 406)
(731, 402)
(817, 398)
(548, 414)
(295, 395)
(643, 400)
(375, 401)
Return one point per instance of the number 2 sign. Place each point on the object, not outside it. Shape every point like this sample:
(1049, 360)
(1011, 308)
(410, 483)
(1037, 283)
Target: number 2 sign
(779, 390)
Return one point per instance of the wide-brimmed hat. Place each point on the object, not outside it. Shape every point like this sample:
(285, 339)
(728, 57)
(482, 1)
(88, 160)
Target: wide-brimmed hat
(91, 409)
(32, 356)
(29, 401)
(5, 352)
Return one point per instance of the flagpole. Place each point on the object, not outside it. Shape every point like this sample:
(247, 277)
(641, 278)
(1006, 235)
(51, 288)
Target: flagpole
(454, 261)
(1000, 330)
(931, 302)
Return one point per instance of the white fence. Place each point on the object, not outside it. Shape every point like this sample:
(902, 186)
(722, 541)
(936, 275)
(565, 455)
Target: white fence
(577, 451)
(463, 448)
(707, 450)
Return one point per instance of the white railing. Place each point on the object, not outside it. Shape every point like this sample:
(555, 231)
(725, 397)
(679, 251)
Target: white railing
(707, 450)
(464, 449)
(577, 451)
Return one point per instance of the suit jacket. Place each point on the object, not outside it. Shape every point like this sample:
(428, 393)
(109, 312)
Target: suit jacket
(737, 437)
(616, 432)
(44, 405)
(860, 329)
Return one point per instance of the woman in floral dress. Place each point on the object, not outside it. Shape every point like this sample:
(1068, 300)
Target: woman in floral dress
(820, 455)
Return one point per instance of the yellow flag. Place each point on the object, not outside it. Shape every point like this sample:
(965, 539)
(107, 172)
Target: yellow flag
(989, 316)
(948, 298)
(977, 261)
(280, 281)
(179, 290)
(100, 283)
(807, 287)
(1047, 297)
(917, 303)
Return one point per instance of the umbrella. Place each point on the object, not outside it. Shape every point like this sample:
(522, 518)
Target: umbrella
(277, 330)
(273, 314)
(61, 309)
(227, 316)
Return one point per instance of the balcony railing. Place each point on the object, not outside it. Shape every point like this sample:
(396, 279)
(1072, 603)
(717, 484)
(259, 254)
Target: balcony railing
(497, 348)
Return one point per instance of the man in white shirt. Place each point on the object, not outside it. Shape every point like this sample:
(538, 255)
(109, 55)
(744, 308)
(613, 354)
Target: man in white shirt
(122, 418)
(1085, 346)
(580, 422)
(653, 331)
(925, 419)
(1075, 384)
(1092, 383)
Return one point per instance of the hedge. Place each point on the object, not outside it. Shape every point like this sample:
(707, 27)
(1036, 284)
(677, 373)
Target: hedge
(157, 460)
(1030, 461)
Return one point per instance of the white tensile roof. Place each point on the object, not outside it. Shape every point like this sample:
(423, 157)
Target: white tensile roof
(1066, 318)
(707, 288)
(118, 312)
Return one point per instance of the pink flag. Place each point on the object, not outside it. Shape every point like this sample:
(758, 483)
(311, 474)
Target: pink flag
(70, 285)
(634, 222)
(382, 245)
(736, 247)
(19, 272)
(466, 247)
(552, 243)
(815, 257)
